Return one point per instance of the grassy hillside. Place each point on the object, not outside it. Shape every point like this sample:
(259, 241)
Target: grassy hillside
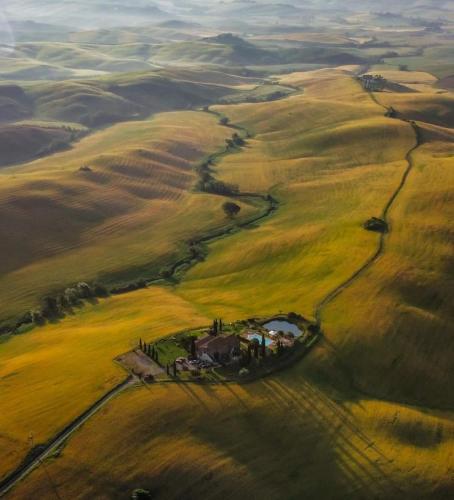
(19, 143)
(279, 437)
(14, 104)
(332, 160)
(100, 102)
(332, 163)
(125, 218)
(41, 379)
(402, 323)
(78, 57)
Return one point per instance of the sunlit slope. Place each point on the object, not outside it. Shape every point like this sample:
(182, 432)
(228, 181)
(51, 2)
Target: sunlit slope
(283, 437)
(117, 98)
(394, 328)
(52, 374)
(77, 57)
(130, 213)
(332, 160)
(426, 107)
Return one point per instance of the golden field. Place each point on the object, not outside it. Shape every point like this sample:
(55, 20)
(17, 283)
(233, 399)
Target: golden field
(284, 437)
(333, 160)
(368, 414)
(123, 220)
(50, 375)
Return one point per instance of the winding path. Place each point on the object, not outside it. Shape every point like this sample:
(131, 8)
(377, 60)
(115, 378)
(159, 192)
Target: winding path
(385, 216)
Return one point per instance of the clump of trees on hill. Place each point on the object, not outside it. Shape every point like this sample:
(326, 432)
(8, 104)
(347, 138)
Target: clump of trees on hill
(231, 209)
(235, 142)
(208, 184)
(57, 306)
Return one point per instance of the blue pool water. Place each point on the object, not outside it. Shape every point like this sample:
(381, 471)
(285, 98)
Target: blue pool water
(283, 326)
(253, 336)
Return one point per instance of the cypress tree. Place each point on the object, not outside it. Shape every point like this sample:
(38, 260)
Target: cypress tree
(263, 345)
(140, 344)
(193, 348)
(174, 368)
(144, 347)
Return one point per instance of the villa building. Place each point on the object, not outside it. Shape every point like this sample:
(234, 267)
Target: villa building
(217, 347)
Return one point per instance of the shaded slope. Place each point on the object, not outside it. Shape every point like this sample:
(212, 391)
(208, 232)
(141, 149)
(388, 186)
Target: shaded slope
(124, 217)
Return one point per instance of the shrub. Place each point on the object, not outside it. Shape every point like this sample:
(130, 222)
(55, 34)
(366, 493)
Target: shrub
(140, 494)
(100, 291)
(231, 209)
(84, 290)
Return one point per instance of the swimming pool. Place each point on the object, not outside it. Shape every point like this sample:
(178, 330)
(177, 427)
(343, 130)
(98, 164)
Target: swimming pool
(257, 336)
(283, 326)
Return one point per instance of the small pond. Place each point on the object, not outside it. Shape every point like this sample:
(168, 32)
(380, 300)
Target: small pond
(253, 336)
(284, 326)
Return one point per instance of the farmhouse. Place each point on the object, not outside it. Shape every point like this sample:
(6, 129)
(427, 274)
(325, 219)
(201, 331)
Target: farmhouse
(373, 82)
(217, 347)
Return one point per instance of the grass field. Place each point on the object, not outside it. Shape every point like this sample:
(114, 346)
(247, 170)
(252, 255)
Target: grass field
(50, 375)
(403, 306)
(333, 164)
(286, 436)
(333, 426)
(115, 222)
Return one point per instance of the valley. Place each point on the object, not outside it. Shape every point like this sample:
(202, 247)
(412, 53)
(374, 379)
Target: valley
(125, 179)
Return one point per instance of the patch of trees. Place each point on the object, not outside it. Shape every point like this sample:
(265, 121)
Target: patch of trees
(141, 494)
(150, 350)
(217, 327)
(218, 187)
(235, 142)
(231, 209)
(376, 224)
(60, 144)
(391, 112)
(130, 287)
(57, 306)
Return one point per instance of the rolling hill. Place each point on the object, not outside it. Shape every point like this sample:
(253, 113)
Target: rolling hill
(125, 217)
(334, 413)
